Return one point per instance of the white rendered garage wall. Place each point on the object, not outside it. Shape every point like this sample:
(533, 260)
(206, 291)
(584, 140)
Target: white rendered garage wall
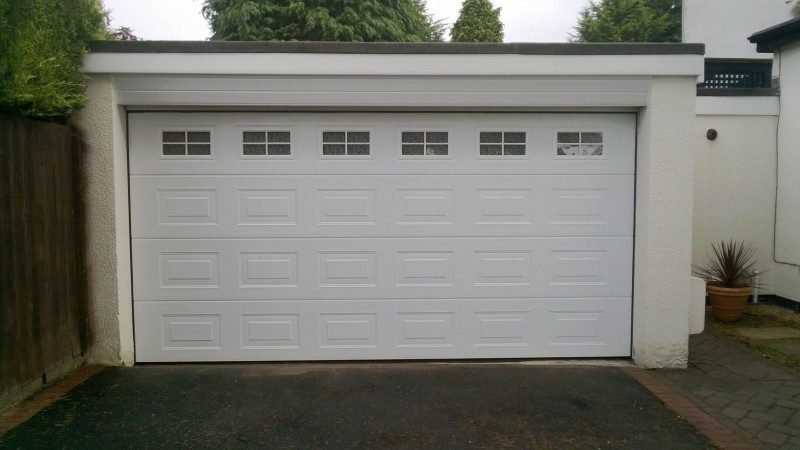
(787, 276)
(734, 193)
(663, 236)
(724, 25)
(663, 216)
(105, 196)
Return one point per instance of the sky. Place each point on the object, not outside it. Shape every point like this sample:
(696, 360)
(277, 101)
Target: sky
(525, 20)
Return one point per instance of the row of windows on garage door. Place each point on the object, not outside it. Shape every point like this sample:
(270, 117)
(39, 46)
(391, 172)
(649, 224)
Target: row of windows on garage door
(277, 143)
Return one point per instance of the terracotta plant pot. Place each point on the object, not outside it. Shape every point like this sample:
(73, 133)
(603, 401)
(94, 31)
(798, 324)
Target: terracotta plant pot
(728, 303)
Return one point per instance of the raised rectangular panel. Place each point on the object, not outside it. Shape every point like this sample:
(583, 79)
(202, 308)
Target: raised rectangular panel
(498, 329)
(347, 330)
(268, 206)
(577, 267)
(353, 269)
(425, 329)
(190, 331)
(577, 327)
(268, 269)
(347, 206)
(187, 206)
(503, 206)
(579, 206)
(425, 269)
(425, 206)
(507, 268)
(189, 269)
(273, 331)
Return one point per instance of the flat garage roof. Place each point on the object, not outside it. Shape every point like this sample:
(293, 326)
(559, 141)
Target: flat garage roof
(396, 48)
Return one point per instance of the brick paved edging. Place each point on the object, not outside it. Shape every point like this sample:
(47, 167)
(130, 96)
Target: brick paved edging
(717, 433)
(15, 415)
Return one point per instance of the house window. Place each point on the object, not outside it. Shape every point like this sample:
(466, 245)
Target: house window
(424, 143)
(185, 143)
(503, 143)
(341, 143)
(266, 143)
(579, 143)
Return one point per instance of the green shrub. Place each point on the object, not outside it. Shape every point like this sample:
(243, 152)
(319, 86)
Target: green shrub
(321, 20)
(478, 21)
(41, 45)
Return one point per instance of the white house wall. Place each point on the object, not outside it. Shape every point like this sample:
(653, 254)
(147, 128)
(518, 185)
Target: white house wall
(724, 25)
(734, 194)
(787, 232)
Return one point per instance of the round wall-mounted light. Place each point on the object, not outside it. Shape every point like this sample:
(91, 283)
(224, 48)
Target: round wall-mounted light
(712, 134)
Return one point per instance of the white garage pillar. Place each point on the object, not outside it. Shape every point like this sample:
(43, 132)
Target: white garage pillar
(663, 236)
(104, 166)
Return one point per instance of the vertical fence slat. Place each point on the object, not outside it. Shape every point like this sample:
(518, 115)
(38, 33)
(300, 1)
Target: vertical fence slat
(7, 254)
(41, 265)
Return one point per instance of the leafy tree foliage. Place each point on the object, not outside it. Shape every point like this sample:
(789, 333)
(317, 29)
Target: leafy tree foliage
(321, 20)
(41, 44)
(478, 21)
(629, 21)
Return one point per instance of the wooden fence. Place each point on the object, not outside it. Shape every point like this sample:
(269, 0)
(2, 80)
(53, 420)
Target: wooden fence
(42, 296)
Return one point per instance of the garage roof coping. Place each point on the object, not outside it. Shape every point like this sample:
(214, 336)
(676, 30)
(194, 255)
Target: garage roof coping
(396, 48)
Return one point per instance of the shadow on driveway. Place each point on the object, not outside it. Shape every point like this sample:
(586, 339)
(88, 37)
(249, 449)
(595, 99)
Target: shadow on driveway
(357, 405)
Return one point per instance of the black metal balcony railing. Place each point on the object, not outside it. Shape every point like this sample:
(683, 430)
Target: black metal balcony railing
(737, 74)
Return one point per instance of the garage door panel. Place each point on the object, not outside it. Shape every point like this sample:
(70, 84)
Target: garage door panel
(447, 205)
(394, 329)
(323, 236)
(541, 156)
(381, 268)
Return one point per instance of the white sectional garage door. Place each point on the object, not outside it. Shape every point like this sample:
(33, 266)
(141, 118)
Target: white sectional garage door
(319, 236)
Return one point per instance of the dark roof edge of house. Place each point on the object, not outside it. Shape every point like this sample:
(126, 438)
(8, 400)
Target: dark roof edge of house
(396, 48)
(775, 37)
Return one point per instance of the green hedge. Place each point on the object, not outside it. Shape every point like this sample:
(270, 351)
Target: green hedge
(41, 44)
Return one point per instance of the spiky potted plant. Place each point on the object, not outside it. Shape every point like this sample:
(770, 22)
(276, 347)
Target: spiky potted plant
(728, 276)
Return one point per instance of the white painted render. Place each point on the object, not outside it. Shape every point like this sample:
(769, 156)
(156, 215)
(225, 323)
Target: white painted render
(324, 64)
(663, 233)
(787, 214)
(768, 105)
(105, 195)
(664, 179)
(734, 194)
(725, 25)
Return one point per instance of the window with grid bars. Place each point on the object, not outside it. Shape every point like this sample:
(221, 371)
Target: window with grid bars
(425, 143)
(503, 143)
(579, 144)
(267, 143)
(345, 143)
(184, 143)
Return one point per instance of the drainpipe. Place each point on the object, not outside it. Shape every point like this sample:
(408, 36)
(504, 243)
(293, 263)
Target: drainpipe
(754, 280)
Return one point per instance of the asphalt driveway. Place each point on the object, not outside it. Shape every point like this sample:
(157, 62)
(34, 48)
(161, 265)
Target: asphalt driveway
(407, 405)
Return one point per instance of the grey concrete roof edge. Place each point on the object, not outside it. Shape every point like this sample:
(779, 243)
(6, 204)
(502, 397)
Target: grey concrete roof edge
(396, 48)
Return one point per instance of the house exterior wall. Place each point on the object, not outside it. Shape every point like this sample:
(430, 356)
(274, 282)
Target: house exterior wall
(787, 219)
(724, 25)
(663, 217)
(734, 193)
